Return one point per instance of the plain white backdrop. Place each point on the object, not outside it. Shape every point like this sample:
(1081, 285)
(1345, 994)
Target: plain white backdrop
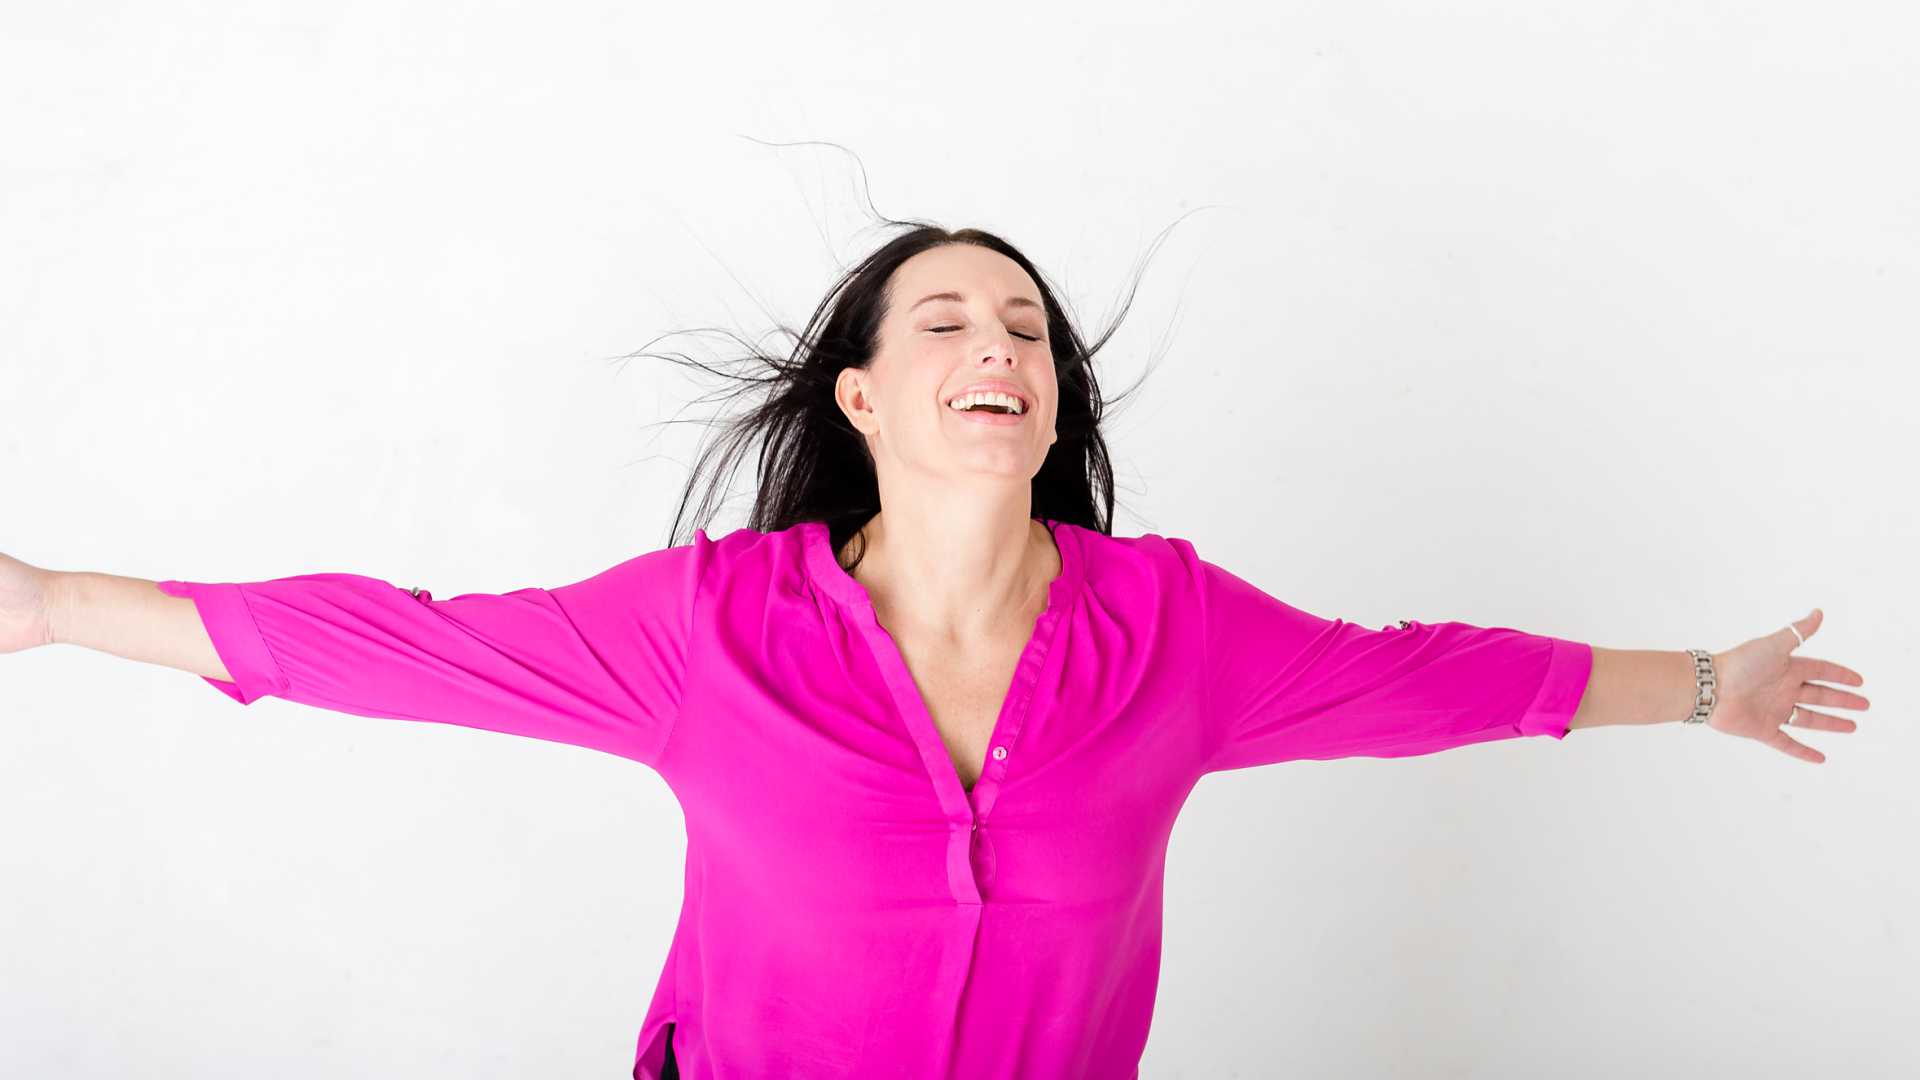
(1591, 319)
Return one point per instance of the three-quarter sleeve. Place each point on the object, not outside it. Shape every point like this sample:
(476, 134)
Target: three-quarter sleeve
(1283, 684)
(601, 663)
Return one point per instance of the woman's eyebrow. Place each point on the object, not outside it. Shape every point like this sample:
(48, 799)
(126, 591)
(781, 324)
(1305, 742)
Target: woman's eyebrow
(1015, 301)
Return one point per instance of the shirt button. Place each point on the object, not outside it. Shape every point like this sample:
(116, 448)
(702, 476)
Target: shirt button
(999, 753)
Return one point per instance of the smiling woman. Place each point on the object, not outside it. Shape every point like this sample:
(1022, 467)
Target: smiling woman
(930, 723)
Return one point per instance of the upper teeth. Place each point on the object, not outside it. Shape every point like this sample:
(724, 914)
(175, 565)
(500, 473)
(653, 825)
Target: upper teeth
(987, 397)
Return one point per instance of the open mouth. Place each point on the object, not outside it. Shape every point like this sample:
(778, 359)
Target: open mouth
(989, 417)
(996, 402)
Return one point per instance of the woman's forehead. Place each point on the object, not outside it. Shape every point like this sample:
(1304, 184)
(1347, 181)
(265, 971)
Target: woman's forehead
(948, 269)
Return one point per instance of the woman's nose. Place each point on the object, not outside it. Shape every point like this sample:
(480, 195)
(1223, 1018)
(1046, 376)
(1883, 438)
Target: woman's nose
(1003, 348)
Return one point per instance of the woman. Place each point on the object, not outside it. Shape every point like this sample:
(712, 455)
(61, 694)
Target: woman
(929, 722)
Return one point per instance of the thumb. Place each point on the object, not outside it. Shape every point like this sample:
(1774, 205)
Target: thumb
(1807, 625)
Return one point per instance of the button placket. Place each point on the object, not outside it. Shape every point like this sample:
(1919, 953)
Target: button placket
(981, 856)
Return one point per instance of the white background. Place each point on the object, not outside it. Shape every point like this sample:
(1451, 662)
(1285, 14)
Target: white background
(1592, 319)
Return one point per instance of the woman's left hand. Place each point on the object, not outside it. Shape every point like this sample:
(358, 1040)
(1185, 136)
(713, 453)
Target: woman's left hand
(1761, 682)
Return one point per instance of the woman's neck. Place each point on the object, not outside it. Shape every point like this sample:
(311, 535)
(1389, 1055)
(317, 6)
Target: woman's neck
(947, 580)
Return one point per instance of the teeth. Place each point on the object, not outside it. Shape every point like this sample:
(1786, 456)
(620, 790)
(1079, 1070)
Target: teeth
(965, 401)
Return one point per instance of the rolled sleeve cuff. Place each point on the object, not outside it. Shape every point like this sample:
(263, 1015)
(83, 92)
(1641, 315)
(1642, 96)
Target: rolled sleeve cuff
(236, 639)
(1569, 665)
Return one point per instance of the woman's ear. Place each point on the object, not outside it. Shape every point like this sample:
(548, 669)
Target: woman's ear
(850, 391)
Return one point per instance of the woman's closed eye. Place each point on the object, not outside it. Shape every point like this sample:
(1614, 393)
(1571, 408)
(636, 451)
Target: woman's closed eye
(1016, 333)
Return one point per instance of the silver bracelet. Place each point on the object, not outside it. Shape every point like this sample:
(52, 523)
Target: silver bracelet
(1705, 693)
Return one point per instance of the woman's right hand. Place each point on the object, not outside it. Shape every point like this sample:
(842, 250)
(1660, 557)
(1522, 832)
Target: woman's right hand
(24, 604)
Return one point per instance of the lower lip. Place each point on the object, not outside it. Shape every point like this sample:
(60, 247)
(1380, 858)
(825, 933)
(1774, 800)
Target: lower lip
(997, 419)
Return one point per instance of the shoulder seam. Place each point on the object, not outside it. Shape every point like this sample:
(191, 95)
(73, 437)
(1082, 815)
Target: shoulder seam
(1196, 574)
(686, 674)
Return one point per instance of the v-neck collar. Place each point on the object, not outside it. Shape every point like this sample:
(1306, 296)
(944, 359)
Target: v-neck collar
(965, 808)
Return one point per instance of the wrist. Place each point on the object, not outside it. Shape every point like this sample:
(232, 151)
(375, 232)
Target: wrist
(1703, 686)
(56, 604)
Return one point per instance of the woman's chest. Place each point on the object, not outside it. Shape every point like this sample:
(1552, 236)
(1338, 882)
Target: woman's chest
(798, 718)
(965, 692)
(849, 746)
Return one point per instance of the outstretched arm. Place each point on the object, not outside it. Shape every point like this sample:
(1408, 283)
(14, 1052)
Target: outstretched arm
(1280, 683)
(599, 663)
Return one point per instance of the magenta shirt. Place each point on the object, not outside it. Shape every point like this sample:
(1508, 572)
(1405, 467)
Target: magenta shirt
(850, 909)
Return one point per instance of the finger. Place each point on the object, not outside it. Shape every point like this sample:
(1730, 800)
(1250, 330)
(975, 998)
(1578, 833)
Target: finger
(1809, 694)
(1806, 625)
(1819, 721)
(1810, 670)
(1780, 741)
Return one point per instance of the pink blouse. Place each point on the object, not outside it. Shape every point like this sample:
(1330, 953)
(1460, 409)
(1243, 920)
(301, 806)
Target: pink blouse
(850, 907)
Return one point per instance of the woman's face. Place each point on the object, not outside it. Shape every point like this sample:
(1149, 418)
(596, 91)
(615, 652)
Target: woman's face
(933, 349)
